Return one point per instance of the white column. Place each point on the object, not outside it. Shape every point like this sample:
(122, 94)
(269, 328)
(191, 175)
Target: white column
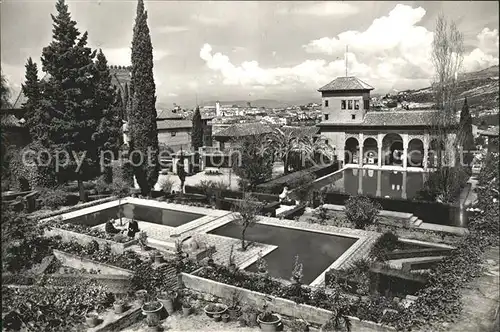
(361, 142)
(426, 151)
(379, 176)
(379, 145)
(405, 151)
(360, 182)
(403, 189)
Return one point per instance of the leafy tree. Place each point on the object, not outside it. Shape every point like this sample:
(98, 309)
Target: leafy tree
(246, 210)
(197, 131)
(142, 116)
(4, 93)
(126, 103)
(285, 141)
(254, 164)
(121, 189)
(68, 98)
(361, 211)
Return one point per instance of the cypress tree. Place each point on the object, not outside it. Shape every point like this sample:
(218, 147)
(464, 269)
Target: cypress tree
(108, 107)
(4, 93)
(34, 117)
(125, 102)
(465, 136)
(142, 117)
(197, 130)
(68, 99)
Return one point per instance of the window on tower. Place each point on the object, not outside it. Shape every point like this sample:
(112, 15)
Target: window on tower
(356, 104)
(326, 103)
(349, 104)
(343, 104)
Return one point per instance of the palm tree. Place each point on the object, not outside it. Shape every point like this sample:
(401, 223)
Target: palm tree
(285, 141)
(314, 147)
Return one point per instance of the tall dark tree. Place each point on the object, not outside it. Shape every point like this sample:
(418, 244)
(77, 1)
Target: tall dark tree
(126, 102)
(197, 131)
(465, 136)
(109, 104)
(142, 118)
(68, 99)
(35, 119)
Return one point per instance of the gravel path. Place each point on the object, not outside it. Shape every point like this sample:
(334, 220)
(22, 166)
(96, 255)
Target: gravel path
(195, 322)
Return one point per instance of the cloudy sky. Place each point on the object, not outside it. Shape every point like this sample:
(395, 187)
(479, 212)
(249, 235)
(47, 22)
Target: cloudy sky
(255, 50)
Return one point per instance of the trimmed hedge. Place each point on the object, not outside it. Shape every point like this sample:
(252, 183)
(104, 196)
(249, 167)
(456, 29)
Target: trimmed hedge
(275, 186)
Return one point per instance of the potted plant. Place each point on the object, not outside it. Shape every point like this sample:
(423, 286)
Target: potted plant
(152, 311)
(141, 296)
(299, 325)
(168, 299)
(210, 260)
(215, 309)
(217, 317)
(225, 318)
(143, 240)
(186, 307)
(232, 261)
(338, 322)
(119, 306)
(92, 319)
(249, 316)
(269, 321)
(234, 307)
(261, 264)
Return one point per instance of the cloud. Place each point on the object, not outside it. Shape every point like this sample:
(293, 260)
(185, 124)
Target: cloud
(171, 29)
(326, 8)
(208, 20)
(122, 56)
(488, 40)
(310, 73)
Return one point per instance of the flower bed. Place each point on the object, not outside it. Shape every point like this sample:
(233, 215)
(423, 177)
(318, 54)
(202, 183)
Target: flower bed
(85, 235)
(48, 308)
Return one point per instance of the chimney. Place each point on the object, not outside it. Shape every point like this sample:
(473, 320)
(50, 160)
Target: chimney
(217, 108)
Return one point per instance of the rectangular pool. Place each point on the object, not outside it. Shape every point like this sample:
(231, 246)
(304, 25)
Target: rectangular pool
(172, 218)
(317, 251)
(376, 183)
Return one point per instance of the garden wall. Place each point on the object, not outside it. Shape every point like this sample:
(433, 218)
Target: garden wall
(234, 194)
(281, 306)
(430, 212)
(83, 239)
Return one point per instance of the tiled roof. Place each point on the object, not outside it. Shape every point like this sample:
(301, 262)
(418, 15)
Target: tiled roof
(174, 124)
(169, 114)
(391, 118)
(244, 129)
(346, 83)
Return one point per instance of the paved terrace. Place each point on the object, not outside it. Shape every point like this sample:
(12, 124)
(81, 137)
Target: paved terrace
(160, 235)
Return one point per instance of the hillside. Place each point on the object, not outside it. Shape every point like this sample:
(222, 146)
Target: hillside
(480, 87)
(268, 103)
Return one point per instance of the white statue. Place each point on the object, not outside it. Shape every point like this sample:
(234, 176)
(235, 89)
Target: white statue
(284, 194)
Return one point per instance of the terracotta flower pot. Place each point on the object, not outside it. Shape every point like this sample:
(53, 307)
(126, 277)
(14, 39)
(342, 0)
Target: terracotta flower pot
(152, 311)
(186, 310)
(217, 318)
(158, 259)
(218, 310)
(234, 313)
(168, 300)
(269, 326)
(92, 320)
(119, 307)
(225, 318)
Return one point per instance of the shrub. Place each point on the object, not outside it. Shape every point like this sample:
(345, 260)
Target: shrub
(386, 243)
(361, 211)
(52, 198)
(101, 185)
(166, 185)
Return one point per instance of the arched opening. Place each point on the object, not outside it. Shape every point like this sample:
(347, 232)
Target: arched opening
(370, 151)
(392, 149)
(436, 152)
(351, 151)
(415, 153)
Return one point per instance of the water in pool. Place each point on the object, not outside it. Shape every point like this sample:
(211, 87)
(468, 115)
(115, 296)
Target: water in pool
(166, 217)
(382, 183)
(316, 251)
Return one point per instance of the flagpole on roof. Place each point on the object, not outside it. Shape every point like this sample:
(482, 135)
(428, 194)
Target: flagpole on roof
(346, 50)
